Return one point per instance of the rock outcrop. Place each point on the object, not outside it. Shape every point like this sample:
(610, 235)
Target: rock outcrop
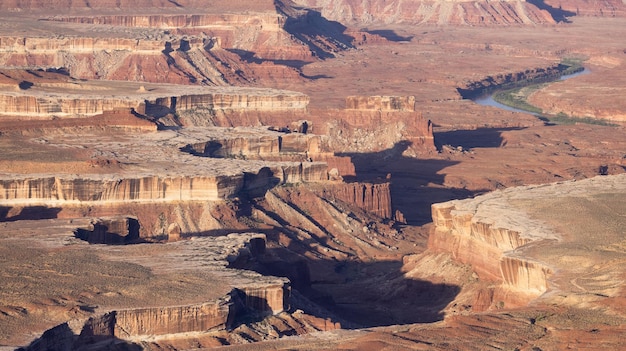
(373, 198)
(60, 189)
(484, 232)
(111, 230)
(517, 237)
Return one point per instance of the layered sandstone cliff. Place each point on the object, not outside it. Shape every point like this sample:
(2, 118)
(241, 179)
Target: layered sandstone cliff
(539, 239)
(485, 232)
(73, 189)
(374, 198)
(369, 123)
(60, 96)
(432, 12)
(381, 103)
(218, 44)
(206, 22)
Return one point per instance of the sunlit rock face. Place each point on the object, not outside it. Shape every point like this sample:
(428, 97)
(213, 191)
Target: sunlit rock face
(550, 241)
(59, 189)
(485, 233)
(460, 12)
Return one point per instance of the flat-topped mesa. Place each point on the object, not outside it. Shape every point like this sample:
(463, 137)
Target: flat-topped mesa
(253, 296)
(182, 59)
(232, 101)
(61, 96)
(299, 147)
(487, 234)
(277, 147)
(347, 130)
(182, 45)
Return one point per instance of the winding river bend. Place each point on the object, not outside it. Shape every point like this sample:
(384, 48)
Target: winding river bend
(487, 99)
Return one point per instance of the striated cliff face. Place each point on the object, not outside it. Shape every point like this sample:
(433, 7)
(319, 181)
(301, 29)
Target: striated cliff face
(486, 232)
(125, 324)
(551, 243)
(432, 12)
(32, 106)
(234, 101)
(68, 189)
(53, 94)
(206, 22)
(374, 198)
(218, 44)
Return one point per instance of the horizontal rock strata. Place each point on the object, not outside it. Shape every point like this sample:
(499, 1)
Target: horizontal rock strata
(540, 238)
(76, 98)
(374, 198)
(484, 231)
(68, 189)
(432, 12)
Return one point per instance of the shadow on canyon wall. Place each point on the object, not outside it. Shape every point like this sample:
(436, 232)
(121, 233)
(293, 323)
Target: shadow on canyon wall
(415, 184)
(250, 57)
(354, 293)
(29, 213)
(323, 37)
(390, 35)
(558, 14)
(100, 233)
(63, 338)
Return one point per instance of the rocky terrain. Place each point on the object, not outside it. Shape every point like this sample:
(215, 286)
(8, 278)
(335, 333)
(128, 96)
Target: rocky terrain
(309, 175)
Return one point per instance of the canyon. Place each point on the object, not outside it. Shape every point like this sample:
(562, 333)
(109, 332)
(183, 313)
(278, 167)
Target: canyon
(309, 175)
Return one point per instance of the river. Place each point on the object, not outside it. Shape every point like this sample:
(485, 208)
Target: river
(487, 100)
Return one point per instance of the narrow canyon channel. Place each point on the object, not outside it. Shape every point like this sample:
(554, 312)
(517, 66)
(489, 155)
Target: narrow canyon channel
(488, 100)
